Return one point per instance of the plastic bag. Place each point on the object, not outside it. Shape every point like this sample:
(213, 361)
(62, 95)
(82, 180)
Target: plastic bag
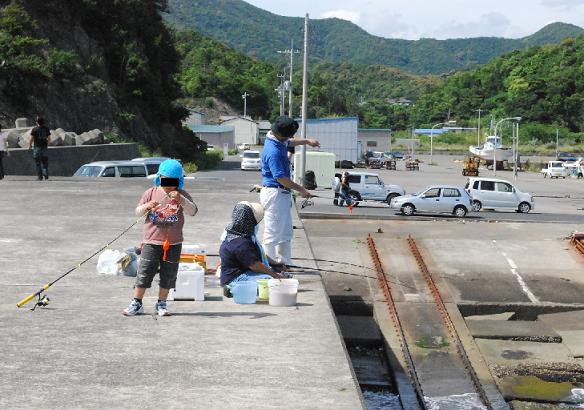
(107, 263)
(129, 263)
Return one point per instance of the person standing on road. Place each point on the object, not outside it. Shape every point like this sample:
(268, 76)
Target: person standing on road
(3, 151)
(40, 138)
(164, 206)
(275, 195)
(345, 189)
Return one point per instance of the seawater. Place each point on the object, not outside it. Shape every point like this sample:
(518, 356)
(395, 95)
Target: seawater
(467, 401)
(376, 400)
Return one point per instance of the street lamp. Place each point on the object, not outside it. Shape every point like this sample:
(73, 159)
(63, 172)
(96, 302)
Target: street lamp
(432, 137)
(517, 119)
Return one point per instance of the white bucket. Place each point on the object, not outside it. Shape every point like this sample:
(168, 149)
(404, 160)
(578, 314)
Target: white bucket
(283, 292)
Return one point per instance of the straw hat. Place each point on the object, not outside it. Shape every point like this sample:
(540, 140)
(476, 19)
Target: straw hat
(258, 210)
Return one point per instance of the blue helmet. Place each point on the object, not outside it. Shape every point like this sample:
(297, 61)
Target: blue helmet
(170, 168)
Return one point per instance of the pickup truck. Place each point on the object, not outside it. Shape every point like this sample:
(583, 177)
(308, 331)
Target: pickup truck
(555, 169)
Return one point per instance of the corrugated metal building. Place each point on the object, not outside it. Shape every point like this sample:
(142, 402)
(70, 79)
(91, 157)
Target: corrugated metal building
(336, 135)
(216, 135)
(374, 139)
(246, 130)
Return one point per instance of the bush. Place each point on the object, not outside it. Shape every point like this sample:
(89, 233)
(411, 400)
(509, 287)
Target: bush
(190, 167)
(208, 159)
(62, 64)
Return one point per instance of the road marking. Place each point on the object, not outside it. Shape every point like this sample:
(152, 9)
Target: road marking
(519, 278)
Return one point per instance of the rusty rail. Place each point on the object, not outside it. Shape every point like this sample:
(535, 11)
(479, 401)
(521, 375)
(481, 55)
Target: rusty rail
(385, 286)
(578, 241)
(448, 322)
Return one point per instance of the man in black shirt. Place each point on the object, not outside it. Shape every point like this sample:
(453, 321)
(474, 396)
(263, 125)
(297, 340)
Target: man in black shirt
(40, 138)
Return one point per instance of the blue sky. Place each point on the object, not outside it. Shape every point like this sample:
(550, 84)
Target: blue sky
(412, 19)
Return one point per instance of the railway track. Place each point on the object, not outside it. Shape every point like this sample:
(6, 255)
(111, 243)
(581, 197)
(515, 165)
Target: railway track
(447, 323)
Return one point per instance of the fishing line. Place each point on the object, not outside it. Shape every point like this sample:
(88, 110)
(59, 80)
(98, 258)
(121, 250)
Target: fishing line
(354, 274)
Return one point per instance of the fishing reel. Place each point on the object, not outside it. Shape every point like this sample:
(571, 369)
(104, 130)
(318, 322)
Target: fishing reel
(41, 302)
(305, 203)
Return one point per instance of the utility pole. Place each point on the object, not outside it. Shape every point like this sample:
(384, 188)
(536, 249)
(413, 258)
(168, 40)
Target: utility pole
(290, 51)
(304, 103)
(244, 97)
(281, 92)
(479, 128)
(557, 142)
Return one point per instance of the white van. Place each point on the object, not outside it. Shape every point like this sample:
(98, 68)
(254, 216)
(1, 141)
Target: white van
(367, 186)
(492, 193)
(113, 169)
(555, 169)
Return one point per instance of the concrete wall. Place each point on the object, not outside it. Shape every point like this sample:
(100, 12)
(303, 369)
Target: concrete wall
(64, 161)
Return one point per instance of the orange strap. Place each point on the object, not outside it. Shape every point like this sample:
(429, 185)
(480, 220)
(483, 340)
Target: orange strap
(165, 248)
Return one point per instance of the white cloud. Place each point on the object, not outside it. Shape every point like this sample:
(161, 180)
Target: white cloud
(349, 15)
(563, 4)
(484, 26)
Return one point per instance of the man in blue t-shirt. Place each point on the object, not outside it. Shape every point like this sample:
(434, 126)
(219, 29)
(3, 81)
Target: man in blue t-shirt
(275, 195)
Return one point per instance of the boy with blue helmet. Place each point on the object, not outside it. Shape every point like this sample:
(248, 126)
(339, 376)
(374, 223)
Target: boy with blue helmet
(164, 206)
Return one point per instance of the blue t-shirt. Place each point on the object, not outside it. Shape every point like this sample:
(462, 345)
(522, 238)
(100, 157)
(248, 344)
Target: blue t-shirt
(274, 162)
(237, 256)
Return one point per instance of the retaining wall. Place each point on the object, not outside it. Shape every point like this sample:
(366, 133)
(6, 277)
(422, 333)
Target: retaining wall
(64, 161)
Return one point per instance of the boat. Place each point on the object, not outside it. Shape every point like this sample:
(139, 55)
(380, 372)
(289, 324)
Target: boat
(492, 143)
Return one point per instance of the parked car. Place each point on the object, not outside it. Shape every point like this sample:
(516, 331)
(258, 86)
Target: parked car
(210, 147)
(434, 199)
(492, 193)
(251, 160)
(244, 146)
(367, 186)
(566, 156)
(397, 155)
(113, 169)
(152, 163)
(555, 169)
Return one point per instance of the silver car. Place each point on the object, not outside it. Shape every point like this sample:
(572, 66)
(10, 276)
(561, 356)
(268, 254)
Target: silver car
(434, 199)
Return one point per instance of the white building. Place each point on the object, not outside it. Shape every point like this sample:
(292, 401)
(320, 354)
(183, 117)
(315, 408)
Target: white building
(374, 139)
(336, 135)
(246, 130)
(216, 135)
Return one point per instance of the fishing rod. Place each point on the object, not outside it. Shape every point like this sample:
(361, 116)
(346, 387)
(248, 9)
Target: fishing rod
(353, 274)
(44, 300)
(340, 272)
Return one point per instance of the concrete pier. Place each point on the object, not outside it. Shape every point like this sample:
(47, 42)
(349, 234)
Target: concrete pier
(80, 352)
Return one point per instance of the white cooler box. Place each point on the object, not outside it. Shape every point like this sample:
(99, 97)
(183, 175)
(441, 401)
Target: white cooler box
(190, 283)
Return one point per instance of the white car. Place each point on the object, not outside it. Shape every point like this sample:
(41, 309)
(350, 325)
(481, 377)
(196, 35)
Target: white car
(489, 193)
(367, 186)
(113, 169)
(244, 146)
(555, 169)
(251, 160)
(434, 199)
(152, 163)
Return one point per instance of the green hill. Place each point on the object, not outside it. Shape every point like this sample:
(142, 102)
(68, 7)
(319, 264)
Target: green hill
(259, 33)
(542, 85)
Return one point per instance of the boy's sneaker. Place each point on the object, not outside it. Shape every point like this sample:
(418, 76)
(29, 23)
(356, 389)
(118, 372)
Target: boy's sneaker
(135, 308)
(227, 292)
(161, 309)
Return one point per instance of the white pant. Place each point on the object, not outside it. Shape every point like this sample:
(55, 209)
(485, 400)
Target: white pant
(277, 204)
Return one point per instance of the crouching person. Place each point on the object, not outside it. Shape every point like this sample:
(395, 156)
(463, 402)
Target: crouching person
(242, 257)
(164, 206)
